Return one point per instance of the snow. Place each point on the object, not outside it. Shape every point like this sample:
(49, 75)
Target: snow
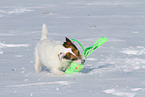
(116, 69)
(40, 83)
(134, 51)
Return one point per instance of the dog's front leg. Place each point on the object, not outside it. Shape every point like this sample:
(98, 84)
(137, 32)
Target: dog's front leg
(57, 72)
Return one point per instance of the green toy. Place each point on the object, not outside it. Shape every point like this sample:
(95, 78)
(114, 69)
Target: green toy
(75, 67)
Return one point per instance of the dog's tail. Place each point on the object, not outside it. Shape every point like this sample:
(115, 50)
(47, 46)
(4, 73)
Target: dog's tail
(44, 32)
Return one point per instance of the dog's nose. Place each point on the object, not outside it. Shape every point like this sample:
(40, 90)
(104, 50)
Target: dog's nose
(83, 61)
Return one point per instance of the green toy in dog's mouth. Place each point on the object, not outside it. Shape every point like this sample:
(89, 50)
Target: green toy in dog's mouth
(75, 67)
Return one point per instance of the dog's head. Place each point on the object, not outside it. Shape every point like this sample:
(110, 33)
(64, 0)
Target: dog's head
(72, 53)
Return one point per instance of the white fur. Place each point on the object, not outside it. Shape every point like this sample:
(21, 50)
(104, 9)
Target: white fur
(50, 53)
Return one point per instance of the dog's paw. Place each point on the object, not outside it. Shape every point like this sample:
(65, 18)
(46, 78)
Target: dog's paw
(58, 72)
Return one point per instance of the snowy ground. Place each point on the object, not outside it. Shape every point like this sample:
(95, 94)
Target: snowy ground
(116, 69)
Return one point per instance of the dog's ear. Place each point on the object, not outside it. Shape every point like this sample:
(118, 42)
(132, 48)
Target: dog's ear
(67, 43)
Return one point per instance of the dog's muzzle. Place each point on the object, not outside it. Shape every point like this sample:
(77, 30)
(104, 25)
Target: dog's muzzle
(83, 61)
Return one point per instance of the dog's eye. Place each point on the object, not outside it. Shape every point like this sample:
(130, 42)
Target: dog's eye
(66, 57)
(74, 59)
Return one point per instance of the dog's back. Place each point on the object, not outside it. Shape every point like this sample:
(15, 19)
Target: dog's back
(48, 51)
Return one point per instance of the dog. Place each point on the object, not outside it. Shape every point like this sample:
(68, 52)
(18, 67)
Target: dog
(56, 56)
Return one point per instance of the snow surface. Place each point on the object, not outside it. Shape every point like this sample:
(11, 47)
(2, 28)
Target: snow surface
(116, 69)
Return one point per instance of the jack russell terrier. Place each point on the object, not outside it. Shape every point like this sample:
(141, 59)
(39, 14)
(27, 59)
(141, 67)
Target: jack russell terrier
(56, 56)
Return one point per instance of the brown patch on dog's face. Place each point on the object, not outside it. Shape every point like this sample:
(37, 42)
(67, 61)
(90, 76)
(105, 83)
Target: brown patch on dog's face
(69, 56)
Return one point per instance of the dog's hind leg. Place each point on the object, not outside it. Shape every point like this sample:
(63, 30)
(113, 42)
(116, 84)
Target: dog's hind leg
(38, 65)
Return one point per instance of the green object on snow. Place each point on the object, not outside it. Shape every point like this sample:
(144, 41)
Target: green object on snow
(75, 67)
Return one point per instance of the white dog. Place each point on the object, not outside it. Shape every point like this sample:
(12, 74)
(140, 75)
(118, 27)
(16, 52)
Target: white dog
(56, 56)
